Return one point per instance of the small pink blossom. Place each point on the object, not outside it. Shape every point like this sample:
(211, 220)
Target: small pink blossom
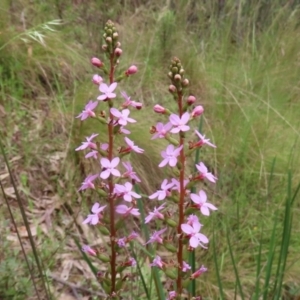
(157, 262)
(122, 242)
(197, 111)
(131, 70)
(155, 237)
(164, 192)
(87, 249)
(97, 79)
(109, 167)
(124, 130)
(161, 130)
(159, 109)
(129, 102)
(196, 238)
(88, 143)
(198, 272)
(93, 154)
(125, 210)
(180, 123)
(131, 262)
(204, 172)
(126, 192)
(185, 266)
(192, 219)
(129, 172)
(132, 236)
(172, 295)
(201, 203)
(170, 156)
(155, 214)
(88, 182)
(176, 184)
(132, 146)
(107, 91)
(203, 140)
(93, 218)
(122, 117)
(88, 111)
(104, 146)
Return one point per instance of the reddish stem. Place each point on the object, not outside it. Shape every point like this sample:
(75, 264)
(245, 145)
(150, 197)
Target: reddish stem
(111, 188)
(180, 204)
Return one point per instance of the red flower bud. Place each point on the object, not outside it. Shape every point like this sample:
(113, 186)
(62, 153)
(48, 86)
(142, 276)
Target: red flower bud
(191, 100)
(131, 70)
(197, 111)
(159, 109)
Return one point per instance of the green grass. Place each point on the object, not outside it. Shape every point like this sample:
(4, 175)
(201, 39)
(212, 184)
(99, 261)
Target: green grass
(243, 66)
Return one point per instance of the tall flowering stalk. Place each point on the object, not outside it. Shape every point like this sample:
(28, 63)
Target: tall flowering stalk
(188, 206)
(115, 180)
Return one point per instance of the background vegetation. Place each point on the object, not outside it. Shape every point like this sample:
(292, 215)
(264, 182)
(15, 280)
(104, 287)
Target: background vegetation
(243, 62)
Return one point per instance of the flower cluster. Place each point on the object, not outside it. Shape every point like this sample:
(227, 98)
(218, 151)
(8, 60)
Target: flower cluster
(189, 206)
(179, 205)
(114, 182)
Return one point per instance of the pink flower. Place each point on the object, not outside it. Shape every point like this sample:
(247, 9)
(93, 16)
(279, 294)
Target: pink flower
(126, 192)
(93, 153)
(88, 182)
(196, 238)
(161, 130)
(180, 123)
(87, 249)
(170, 156)
(204, 172)
(176, 184)
(200, 200)
(125, 210)
(131, 70)
(88, 111)
(129, 172)
(157, 262)
(197, 111)
(185, 267)
(155, 237)
(122, 242)
(93, 218)
(198, 272)
(109, 167)
(203, 140)
(164, 192)
(97, 79)
(131, 146)
(155, 214)
(122, 116)
(192, 219)
(129, 102)
(132, 236)
(97, 62)
(88, 143)
(159, 109)
(107, 91)
(172, 295)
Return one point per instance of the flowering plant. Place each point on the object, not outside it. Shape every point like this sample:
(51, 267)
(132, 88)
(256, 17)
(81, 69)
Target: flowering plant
(178, 208)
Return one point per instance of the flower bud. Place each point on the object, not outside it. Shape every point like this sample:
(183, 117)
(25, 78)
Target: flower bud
(115, 35)
(131, 70)
(197, 111)
(96, 62)
(172, 89)
(108, 40)
(191, 100)
(159, 109)
(198, 272)
(177, 77)
(97, 79)
(170, 74)
(118, 51)
(185, 82)
(118, 44)
(104, 47)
